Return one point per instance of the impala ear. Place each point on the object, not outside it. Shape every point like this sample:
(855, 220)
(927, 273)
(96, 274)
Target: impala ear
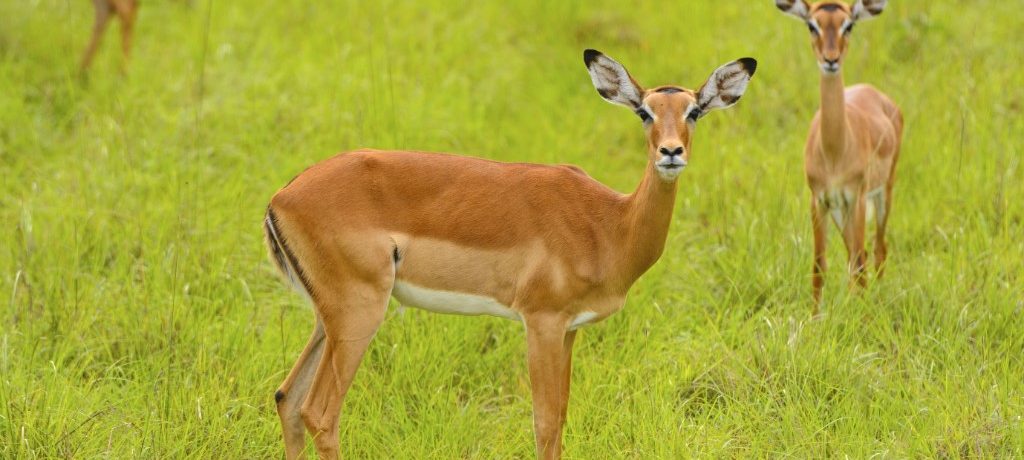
(798, 8)
(867, 9)
(612, 81)
(725, 86)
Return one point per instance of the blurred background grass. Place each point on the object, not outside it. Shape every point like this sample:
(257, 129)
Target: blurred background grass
(142, 319)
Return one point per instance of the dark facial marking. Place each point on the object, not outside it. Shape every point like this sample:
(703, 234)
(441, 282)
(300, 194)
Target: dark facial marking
(278, 396)
(669, 90)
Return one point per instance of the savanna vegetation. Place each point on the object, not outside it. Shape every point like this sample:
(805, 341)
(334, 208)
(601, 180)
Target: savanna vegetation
(140, 317)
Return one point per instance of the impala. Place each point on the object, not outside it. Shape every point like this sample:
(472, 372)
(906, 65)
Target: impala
(126, 10)
(854, 142)
(545, 245)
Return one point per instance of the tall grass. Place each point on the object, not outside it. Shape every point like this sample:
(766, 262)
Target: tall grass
(141, 318)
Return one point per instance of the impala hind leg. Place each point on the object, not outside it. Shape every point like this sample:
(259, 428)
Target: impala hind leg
(549, 352)
(818, 222)
(292, 393)
(351, 316)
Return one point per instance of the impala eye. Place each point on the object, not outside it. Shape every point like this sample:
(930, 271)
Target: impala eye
(693, 115)
(646, 117)
(814, 30)
(848, 29)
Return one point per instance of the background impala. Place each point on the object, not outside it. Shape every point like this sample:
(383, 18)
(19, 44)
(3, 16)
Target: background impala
(853, 145)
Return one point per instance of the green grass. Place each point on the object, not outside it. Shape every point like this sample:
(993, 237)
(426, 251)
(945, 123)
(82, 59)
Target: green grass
(141, 317)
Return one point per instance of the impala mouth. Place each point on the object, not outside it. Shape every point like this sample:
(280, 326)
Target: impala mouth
(670, 169)
(672, 164)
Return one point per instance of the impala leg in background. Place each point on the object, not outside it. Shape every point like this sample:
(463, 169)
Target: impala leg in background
(818, 221)
(102, 18)
(546, 338)
(881, 204)
(853, 236)
(292, 393)
(351, 314)
(126, 11)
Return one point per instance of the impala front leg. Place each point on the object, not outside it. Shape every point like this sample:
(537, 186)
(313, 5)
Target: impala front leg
(570, 338)
(820, 235)
(548, 357)
(853, 235)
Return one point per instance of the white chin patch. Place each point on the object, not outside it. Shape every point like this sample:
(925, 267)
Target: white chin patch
(670, 174)
(829, 70)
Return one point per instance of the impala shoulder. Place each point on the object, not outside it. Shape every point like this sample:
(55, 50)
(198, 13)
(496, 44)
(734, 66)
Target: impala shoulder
(861, 87)
(574, 169)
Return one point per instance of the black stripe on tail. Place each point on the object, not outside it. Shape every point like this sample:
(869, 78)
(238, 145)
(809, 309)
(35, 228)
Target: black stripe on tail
(284, 258)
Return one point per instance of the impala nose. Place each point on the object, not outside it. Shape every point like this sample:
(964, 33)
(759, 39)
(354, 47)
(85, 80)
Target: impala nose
(671, 152)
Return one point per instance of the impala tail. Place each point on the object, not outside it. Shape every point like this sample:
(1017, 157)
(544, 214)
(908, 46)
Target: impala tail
(283, 257)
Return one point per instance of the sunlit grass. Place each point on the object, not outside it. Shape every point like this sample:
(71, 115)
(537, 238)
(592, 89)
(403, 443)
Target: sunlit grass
(142, 319)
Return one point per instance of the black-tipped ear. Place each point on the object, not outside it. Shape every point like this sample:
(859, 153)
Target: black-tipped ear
(750, 64)
(798, 8)
(867, 9)
(725, 86)
(612, 81)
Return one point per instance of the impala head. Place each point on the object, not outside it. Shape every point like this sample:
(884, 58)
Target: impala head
(830, 23)
(669, 113)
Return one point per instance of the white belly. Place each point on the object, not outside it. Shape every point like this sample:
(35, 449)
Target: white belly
(457, 303)
(840, 202)
(582, 319)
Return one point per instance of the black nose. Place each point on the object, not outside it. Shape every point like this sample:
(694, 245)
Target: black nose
(832, 61)
(671, 153)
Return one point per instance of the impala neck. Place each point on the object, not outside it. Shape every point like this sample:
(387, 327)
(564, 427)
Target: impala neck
(833, 115)
(647, 218)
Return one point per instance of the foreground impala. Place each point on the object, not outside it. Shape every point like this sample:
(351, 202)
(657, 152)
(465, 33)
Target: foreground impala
(545, 245)
(851, 151)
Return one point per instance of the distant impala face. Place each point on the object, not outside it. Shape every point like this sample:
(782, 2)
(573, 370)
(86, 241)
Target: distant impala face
(830, 23)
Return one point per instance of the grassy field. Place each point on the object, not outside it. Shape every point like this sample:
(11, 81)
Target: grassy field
(140, 316)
